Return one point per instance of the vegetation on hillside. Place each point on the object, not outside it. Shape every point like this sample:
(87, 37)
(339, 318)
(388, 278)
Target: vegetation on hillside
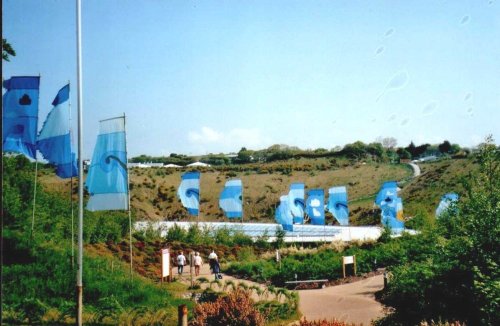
(457, 277)
(382, 150)
(38, 283)
(154, 190)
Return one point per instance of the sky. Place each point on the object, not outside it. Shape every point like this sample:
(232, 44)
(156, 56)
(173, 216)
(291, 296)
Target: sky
(199, 77)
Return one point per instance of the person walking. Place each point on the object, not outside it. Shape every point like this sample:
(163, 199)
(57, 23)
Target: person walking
(197, 263)
(181, 261)
(214, 264)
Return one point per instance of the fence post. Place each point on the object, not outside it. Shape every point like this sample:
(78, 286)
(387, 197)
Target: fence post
(183, 315)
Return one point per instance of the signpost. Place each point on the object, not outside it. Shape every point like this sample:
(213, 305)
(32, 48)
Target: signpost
(191, 265)
(165, 264)
(348, 260)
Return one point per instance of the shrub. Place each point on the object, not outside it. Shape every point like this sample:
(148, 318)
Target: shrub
(236, 308)
(323, 322)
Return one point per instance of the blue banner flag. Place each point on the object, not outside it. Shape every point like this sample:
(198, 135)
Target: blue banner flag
(399, 209)
(315, 206)
(20, 115)
(107, 180)
(230, 199)
(297, 204)
(337, 204)
(389, 212)
(283, 214)
(189, 191)
(54, 140)
(447, 200)
(388, 189)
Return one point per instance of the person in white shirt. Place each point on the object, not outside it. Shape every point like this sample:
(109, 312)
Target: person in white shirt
(197, 263)
(181, 261)
(214, 264)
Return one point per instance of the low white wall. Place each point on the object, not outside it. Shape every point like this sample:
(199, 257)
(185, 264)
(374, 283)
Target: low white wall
(301, 233)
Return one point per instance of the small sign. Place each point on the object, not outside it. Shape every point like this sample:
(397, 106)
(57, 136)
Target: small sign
(348, 259)
(165, 263)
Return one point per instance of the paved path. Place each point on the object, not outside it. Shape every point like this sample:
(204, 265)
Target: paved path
(416, 169)
(206, 273)
(352, 302)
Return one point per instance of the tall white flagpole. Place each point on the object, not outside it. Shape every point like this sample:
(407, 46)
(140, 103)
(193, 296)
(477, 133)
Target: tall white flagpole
(79, 282)
(129, 208)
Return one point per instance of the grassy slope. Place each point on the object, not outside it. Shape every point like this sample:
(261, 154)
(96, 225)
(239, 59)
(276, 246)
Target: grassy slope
(38, 281)
(437, 178)
(154, 190)
(154, 196)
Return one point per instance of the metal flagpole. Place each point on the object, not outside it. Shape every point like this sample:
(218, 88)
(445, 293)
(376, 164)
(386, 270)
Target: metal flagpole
(71, 194)
(36, 174)
(79, 282)
(34, 194)
(242, 200)
(128, 191)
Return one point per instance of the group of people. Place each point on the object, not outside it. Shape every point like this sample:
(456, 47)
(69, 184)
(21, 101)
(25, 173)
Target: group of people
(198, 262)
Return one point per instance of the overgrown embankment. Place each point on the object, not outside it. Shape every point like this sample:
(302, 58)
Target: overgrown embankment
(38, 284)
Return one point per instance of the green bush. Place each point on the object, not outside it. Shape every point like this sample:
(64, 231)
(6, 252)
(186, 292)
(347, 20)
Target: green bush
(452, 270)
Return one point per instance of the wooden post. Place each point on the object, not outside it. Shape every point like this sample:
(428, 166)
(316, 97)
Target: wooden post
(191, 267)
(354, 265)
(343, 267)
(183, 315)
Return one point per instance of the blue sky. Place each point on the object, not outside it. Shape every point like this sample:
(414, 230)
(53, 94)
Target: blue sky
(197, 77)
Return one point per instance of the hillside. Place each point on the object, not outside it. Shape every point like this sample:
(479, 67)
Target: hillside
(39, 269)
(437, 178)
(153, 190)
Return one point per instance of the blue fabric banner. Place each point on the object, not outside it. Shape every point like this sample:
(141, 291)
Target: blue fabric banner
(337, 204)
(54, 140)
(230, 199)
(107, 180)
(297, 204)
(315, 206)
(388, 189)
(283, 214)
(389, 212)
(447, 201)
(20, 115)
(189, 191)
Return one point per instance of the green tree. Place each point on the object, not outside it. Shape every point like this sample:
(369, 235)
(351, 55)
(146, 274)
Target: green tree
(444, 147)
(7, 50)
(403, 153)
(356, 150)
(459, 279)
(244, 156)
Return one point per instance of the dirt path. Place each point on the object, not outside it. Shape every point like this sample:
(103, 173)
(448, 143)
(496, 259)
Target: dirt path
(352, 302)
(416, 169)
(206, 273)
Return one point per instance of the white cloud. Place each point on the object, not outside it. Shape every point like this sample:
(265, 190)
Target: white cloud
(206, 135)
(315, 203)
(231, 140)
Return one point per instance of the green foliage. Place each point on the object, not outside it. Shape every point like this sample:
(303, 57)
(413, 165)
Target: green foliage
(7, 50)
(279, 236)
(176, 233)
(38, 277)
(456, 276)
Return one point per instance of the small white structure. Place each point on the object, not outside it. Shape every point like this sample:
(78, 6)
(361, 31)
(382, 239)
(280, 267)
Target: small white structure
(138, 165)
(199, 164)
(172, 166)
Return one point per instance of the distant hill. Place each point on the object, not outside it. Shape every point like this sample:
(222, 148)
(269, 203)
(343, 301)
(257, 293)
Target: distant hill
(154, 190)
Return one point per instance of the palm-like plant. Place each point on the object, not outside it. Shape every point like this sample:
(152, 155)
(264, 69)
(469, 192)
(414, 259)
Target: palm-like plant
(229, 283)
